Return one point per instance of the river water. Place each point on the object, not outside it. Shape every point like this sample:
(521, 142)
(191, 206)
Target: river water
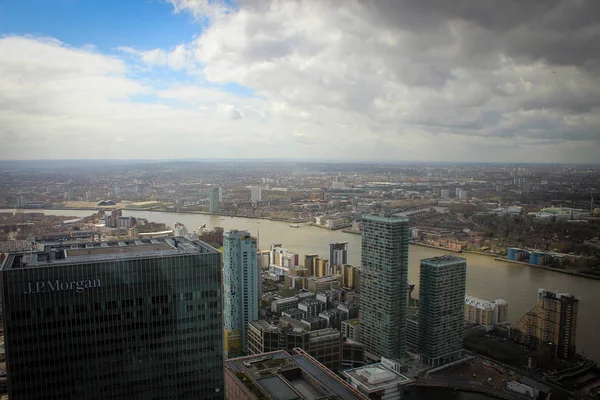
(486, 278)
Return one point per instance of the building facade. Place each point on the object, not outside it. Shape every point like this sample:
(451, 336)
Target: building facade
(384, 285)
(214, 198)
(552, 321)
(486, 313)
(114, 320)
(241, 286)
(338, 254)
(255, 193)
(443, 282)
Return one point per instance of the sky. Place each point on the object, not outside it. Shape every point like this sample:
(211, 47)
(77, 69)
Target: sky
(364, 80)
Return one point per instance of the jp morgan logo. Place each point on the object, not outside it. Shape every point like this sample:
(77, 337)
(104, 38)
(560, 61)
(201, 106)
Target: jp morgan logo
(58, 286)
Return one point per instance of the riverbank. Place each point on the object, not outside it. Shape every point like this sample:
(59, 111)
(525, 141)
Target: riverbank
(548, 268)
(435, 247)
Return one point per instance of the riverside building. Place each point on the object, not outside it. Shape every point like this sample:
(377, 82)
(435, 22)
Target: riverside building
(114, 320)
(384, 286)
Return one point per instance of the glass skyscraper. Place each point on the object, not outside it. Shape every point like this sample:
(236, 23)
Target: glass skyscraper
(114, 320)
(241, 283)
(442, 286)
(384, 286)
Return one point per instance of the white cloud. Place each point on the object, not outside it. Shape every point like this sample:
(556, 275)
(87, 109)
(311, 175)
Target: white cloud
(371, 80)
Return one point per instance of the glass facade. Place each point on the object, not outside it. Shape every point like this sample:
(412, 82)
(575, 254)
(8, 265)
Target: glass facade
(137, 326)
(384, 285)
(241, 282)
(443, 282)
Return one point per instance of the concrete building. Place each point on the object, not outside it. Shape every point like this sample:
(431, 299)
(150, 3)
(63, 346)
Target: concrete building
(317, 285)
(486, 313)
(552, 321)
(113, 319)
(284, 375)
(241, 289)
(384, 285)
(445, 193)
(280, 305)
(255, 193)
(378, 381)
(443, 282)
(214, 197)
(351, 329)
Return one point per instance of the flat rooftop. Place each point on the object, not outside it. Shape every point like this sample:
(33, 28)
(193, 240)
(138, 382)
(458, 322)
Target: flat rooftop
(279, 375)
(376, 377)
(443, 261)
(67, 253)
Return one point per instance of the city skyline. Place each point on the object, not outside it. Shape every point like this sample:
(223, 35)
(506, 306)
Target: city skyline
(390, 80)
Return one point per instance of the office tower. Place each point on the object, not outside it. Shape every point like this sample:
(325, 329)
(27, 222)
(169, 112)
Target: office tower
(114, 320)
(255, 193)
(338, 254)
(241, 283)
(214, 198)
(443, 281)
(384, 283)
(554, 321)
(284, 375)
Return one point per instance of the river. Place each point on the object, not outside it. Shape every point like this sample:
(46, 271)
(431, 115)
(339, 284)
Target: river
(486, 278)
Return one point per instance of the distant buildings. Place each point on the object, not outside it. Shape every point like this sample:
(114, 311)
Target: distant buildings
(128, 319)
(553, 321)
(284, 375)
(255, 193)
(445, 193)
(214, 197)
(384, 285)
(443, 283)
(486, 313)
(338, 255)
(241, 286)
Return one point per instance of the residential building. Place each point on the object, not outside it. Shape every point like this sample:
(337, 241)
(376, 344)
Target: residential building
(214, 198)
(122, 320)
(443, 282)
(338, 255)
(284, 375)
(317, 285)
(552, 321)
(384, 285)
(241, 285)
(255, 193)
(486, 313)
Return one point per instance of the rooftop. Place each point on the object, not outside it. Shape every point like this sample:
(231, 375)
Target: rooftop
(68, 253)
(443, 261)
(389, 220)
(375, 377)
(353, 322)
(279, 375)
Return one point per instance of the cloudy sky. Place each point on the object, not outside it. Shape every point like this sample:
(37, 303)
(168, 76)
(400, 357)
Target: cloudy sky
(428, 80)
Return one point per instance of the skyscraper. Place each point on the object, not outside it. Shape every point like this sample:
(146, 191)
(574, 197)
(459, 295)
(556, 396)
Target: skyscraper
(384, 285)
(241, 281)
(338, 254)
(118, 320)
(255, 193)
(214, 198)
(443, 282)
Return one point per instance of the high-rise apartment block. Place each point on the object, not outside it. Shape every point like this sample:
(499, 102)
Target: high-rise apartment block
(443, 282)
(255, 193)
(384, 285)
(552, 321)
(214, 198)
(241, 283)
(114, 320)
(338, 254)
